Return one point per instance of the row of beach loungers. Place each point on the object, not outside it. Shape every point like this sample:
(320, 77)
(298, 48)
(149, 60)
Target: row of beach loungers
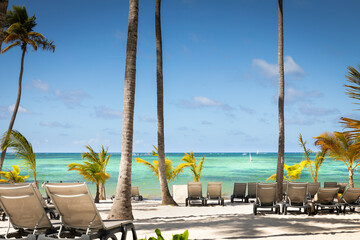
(31, 216)
(308, 196)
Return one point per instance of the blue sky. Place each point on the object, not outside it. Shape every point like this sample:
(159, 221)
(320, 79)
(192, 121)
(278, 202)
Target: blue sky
(220, 74)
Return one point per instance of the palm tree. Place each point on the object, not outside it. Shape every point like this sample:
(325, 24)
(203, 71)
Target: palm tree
(195, 169)
(3, 8)
(13, 176)
(353, 90)
(20, 33)
(315, 165)
(93, 169)
(170, 172)
(342, 147)
(165, 193)
(102, 159)
(121, 208)
(281, 146)
(22, 149)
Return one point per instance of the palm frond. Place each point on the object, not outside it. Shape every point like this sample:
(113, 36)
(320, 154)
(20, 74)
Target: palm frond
(11, 46)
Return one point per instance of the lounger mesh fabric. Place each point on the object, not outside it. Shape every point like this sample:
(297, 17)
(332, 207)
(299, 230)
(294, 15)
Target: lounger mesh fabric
(251, 191)
(214, 192)
(75, 205)
(350, 198)
(239, 191)
(296, 196)
(266, 197)
(324, 199)
(330, 185)
(194, 192)
(313, 188)
(23, 207)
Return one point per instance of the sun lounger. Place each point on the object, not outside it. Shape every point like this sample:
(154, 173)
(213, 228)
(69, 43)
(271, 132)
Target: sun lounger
(296, 197)
(135, 195)
(194, 193)
(25, 211)
(330, 184)
(214, 193)
(325, 199)
(350, 199)
(239, 192)
(79, 215)
(251, 191)
(313, 188)
(266, 197)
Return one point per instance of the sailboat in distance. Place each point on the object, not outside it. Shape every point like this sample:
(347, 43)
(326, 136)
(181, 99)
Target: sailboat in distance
(250, 157)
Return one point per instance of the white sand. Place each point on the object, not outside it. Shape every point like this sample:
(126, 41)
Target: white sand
(235, 221)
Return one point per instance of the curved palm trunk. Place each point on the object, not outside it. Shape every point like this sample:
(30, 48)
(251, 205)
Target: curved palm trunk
(12, 121)
(122, 209)
(281, 148)
(351, 178)
(96, 200)
(165, 194)
(3, 8)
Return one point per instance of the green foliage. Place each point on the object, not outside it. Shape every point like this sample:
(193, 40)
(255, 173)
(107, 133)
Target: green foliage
(315, 165)
(22, 149)
(183, 236)
(94, 168)
(293, 172)
(195, 169)
(20, 31)
(171, 172)
(12, 176)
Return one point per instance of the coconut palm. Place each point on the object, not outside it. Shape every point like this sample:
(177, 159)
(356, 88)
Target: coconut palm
(20, 33)
(165, 193)
(281, 143)
(293, 172)
(170, 172)
(315, 165)
(3, 8)
(22, 149)
(341, 147)
(93, 170)
(12, 176)
(353, 91)
(195, 169)
(121, 208)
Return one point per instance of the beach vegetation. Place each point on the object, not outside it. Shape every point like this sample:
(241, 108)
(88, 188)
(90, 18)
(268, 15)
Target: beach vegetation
(20, 32)
(121, 208)
(315, 165)
(196, 169)
(22, 149)
(293, 172)
(181, 236)
(171, 172)
(341, 146)
(93, 169)
(12, 176)
(3, 9)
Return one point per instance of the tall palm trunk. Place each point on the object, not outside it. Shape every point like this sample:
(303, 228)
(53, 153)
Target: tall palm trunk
(165, 194)
(351, 178)
(121, 208)
(102, 192)
(3, 8)
(281, 147)
(16, 107)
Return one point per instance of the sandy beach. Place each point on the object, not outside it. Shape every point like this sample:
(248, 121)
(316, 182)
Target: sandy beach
(234, 221)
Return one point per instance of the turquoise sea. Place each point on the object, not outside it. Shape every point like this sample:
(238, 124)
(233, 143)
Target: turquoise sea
(225, 167)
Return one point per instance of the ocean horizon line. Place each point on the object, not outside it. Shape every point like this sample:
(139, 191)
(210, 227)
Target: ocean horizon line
(165, 152)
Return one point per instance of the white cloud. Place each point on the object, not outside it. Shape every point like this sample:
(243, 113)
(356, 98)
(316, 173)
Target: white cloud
(247, 110)
(309, 110)
(147, 119)
(71, 98)
(271, 70)
(43, 86)
(107, 113)
(204, 102)
(20, 109)
(55, 125)
(292, 95)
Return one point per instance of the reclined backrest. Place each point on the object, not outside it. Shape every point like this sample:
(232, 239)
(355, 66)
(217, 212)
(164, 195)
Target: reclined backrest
(75, 205)
(351, 195)
(23, 207)
(297, 192)
(266, 193)
(194, 189)
(214, 189)
(239, 189)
